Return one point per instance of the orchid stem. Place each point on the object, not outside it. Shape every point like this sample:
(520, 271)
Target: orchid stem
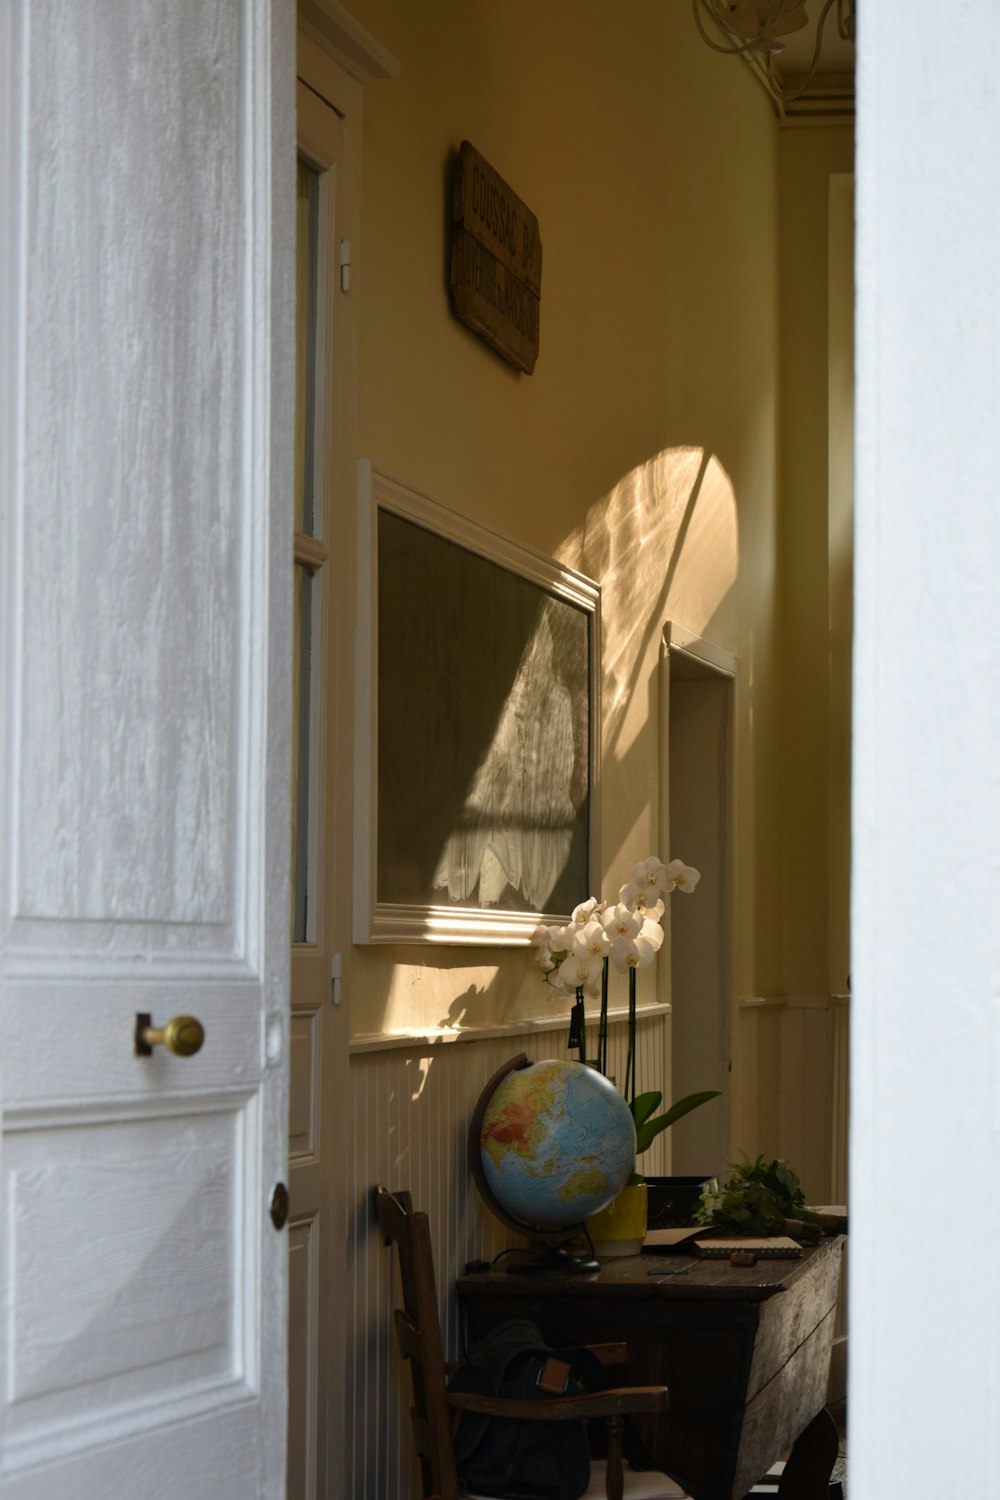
(631, 1067)
(583, 1027)
(602, 1031)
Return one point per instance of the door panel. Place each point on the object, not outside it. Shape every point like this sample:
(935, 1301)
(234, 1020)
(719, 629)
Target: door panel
(135, 459)
(146, 343)
(163, 1315)
(303, 1366)
(134, 692)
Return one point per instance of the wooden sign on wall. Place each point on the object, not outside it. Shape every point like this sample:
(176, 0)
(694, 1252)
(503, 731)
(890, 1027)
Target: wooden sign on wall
(496, 261)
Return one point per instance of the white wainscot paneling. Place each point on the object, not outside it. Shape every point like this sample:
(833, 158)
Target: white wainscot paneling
(411, 1108)
(120, 1241)
(303, 1288)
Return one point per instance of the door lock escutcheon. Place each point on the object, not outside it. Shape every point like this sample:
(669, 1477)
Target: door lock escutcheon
(279, 1206)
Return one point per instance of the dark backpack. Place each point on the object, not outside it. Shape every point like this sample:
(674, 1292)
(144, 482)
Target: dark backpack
(515, 1459)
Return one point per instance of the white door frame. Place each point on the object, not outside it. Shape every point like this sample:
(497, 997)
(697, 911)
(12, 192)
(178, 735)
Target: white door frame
(925, 1046)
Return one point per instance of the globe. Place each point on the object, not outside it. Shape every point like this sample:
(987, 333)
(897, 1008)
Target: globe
(550, 1144)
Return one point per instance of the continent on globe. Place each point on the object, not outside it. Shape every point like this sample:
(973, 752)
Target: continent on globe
(557, 1143)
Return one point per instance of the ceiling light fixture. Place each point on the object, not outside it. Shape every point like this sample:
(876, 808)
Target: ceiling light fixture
(754, 28)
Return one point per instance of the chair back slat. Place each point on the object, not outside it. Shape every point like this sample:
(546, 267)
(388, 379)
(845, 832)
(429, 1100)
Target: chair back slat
(408, 1336)
(423, 1439)
(418, 1333)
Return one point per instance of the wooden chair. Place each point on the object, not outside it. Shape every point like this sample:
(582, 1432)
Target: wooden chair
(436, 1410)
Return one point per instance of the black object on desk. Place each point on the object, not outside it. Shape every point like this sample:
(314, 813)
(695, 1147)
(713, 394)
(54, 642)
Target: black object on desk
(745, 1351)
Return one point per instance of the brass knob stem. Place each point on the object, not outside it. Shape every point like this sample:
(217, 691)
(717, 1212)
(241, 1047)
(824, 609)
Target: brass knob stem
(182, 1035)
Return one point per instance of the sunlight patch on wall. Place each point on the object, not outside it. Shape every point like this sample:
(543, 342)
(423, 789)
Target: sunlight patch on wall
(708, 559)
(423, 1068)
(664, 544)
(413, 1002)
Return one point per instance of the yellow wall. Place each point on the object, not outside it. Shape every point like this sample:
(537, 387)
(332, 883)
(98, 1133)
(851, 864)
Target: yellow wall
(651, 166)
(660, 184)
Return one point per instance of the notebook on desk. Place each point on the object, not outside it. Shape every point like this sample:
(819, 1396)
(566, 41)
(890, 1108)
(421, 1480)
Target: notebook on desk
(695, 1238)
(771, 1247)
(663, 1241)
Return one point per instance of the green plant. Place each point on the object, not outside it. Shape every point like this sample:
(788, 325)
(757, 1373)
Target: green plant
(648, 1126)
(762, 1197)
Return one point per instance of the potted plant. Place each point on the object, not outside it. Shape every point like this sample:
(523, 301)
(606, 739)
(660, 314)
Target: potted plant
(765, 1198)
(576, 961)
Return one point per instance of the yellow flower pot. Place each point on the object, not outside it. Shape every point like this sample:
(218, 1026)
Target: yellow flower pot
(620, 1228)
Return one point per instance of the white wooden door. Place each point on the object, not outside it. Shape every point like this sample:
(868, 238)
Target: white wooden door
(146, 374)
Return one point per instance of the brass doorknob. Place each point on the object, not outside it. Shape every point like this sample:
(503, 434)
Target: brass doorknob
(182, 1035)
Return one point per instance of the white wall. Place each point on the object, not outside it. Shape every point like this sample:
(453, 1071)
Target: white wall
(925, 1152)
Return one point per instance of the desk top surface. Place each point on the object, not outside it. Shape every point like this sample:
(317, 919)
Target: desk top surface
(639, 1276)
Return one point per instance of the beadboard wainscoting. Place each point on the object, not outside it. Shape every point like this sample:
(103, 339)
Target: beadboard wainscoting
(410, 1107)
(792, 1060)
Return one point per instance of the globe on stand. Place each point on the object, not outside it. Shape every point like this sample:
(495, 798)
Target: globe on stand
(550, 1143)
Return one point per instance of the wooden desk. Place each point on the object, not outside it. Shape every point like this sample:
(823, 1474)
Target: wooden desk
(744, 1350)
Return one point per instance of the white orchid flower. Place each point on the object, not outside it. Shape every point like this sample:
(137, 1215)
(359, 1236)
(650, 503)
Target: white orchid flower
(631, 953)
(651, 934)
(584, 912)
(561, 938)
(544, 960)
(579, 971)
(637, 952)
(621, 922)
(591, 941)
(542, 936)
(628, 895)
(651, 877)
(639, 898)
(682, 877)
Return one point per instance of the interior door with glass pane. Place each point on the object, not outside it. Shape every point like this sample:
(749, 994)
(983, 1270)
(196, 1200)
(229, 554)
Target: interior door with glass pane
(146, 415)
(318, 231)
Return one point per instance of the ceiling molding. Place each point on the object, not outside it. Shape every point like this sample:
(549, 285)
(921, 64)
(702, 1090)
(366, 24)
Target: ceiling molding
(346, 39)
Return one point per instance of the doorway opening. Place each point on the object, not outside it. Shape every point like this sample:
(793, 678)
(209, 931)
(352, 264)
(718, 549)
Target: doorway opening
(698, 698)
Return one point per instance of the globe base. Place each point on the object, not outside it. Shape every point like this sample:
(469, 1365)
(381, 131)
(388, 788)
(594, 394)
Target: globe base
(553, 1260)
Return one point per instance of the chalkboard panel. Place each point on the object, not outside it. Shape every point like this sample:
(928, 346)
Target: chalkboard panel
(482, 729)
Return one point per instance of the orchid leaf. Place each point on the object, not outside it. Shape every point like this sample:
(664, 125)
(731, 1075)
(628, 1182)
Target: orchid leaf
(684, 1106)
(647, 1132)
(644, 1104)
